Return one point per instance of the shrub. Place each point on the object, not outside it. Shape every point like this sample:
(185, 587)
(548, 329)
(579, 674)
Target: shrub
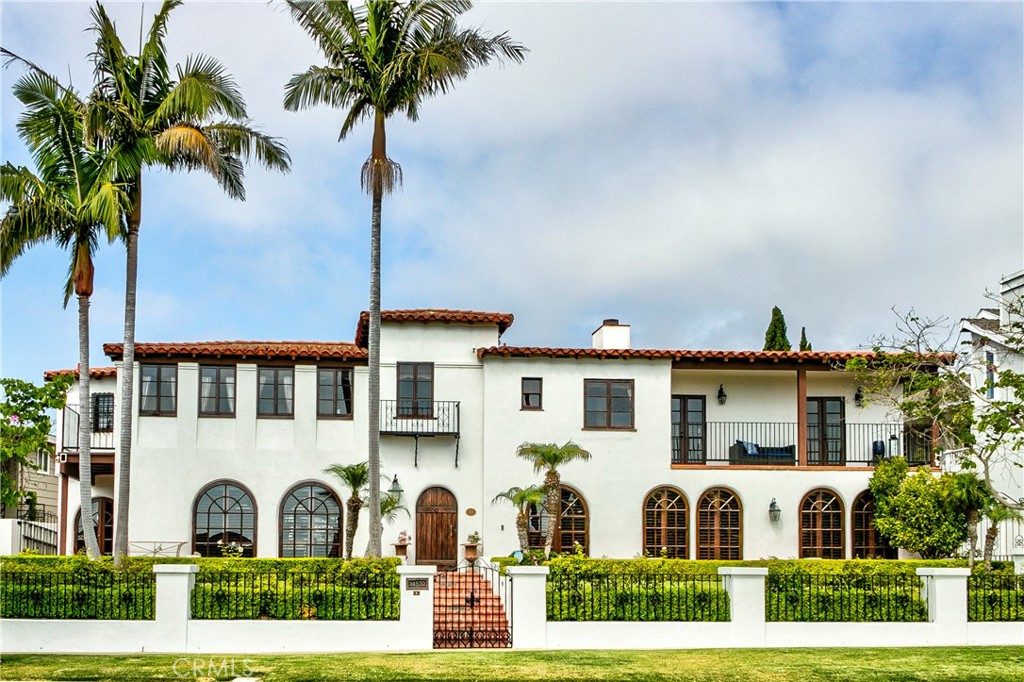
(635, 598)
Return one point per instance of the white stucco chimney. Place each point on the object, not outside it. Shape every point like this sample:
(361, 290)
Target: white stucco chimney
(611, 335)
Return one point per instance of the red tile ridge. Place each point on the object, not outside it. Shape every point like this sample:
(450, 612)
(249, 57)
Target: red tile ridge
(242, 349)
(674, 354)
(94, 373)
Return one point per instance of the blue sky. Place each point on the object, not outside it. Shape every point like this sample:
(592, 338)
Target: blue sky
(680, 166)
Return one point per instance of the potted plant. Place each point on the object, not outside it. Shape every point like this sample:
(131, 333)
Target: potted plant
(472, 546)
(402, 546)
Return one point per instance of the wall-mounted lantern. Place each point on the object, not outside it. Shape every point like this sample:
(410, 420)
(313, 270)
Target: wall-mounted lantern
(858, 397)
(396, 487)
(722, 397)
(774, 511)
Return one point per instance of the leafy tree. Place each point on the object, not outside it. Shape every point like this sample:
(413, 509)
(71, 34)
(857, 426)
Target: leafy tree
(775, 336)
(383, 58)
(521, 499)
(71, 199)
(142, 115)
(25, 428)
(548, 457)
(805, 345)
(354, 477)
(917, 512)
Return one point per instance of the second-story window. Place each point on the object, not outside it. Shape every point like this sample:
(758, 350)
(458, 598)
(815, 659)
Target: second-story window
(608, 403)
(276, 392)
(334, 392)
(217, 391)
(102, 412)
(415, 389)
(159, 390)
(532, 393)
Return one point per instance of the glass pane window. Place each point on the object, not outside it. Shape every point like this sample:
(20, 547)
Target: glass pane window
(688, 426)
(159, 390)
(665, 524)
(217, 391)
(608, 403)
(311, 522)
(224, 522)
(275, 391)
(415, 389)
(103, 412)
(719, 525)
(532, 393)
(821, 526)
(334, 392)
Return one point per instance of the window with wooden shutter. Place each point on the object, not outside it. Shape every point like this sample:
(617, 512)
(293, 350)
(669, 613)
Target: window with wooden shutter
(665, 524)
(719, 525)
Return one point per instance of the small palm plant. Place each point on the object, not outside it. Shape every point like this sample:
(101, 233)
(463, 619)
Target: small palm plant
(522, 499)
(548, 457)
(354, 477)
(996, 514)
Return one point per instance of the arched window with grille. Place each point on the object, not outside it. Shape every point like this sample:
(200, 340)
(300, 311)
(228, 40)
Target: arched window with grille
(311, 522)
(821, 525)
(665, 523)
(224, 521)
(102, 521)
(719, 525)
(574, 527)
(868, 543)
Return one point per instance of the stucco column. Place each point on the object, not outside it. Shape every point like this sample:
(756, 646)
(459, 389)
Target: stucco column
(174, 584)
(1018, 561)
(945, 590)
(745, 587)
(529, 606)
(417, 606)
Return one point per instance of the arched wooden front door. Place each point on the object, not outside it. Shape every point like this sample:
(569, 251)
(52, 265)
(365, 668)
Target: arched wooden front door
(437, 529)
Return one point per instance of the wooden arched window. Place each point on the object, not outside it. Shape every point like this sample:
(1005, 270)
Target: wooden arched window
(719, 525)
(665, 523)
(868, 543)
(311, 522)
(102, 521)
(223, 519)
(821, 525)
(574, 526)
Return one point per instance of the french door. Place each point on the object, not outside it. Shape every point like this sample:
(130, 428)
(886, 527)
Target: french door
(826, 431)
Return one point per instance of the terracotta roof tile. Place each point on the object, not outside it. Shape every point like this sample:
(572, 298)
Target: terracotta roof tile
(293, 350)
(502, 320)
(718, 356)
(94, 373)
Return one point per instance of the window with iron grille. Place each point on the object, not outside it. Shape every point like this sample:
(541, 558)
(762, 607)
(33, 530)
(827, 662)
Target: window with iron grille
(334, 392)
(821, 526)
(665, 524)
(102, 412)
(275, 392)
(159, 390)
(217, 391)
(719, 525)
(608, 403)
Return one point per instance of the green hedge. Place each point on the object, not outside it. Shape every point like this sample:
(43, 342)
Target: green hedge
(282, 602)
(589, 601)
(844, 598)
(75, 596)
(144, 564)
(995, 598)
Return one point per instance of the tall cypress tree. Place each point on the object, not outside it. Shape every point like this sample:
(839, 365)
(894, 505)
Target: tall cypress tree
(804, 343)
(775, 336)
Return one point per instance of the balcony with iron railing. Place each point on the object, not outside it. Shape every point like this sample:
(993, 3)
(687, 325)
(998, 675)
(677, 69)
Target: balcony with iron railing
(100, 439)
(775, 444)
(419, 418)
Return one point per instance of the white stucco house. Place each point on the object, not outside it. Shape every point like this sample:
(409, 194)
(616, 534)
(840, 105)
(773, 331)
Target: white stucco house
(699, 454)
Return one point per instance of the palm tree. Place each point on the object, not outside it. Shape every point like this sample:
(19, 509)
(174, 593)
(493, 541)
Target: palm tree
(385, 57)
(142, 115)
(996, 513)
(353, 477)
(522, 499)
(72, 201)
(969, 495)
(548, 457)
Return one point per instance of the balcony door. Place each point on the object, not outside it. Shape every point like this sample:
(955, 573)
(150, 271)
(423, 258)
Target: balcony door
(688, 426)
(826, 432)
(415, 389)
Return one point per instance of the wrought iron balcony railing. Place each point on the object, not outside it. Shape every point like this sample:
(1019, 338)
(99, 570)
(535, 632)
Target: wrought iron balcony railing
(100, 440)
(775, 443)
(419, 418)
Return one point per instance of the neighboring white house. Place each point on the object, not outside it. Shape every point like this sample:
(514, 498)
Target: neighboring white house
(707, 454)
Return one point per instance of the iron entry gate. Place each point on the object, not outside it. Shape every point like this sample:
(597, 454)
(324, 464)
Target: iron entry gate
(472, 608)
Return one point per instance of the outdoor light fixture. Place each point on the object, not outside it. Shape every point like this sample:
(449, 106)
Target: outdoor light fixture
(722, 397)
(893, 445)
(774, 511)
(858, 397)
(396, 487)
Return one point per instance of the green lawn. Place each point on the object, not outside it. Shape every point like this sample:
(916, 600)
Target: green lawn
(961, 664)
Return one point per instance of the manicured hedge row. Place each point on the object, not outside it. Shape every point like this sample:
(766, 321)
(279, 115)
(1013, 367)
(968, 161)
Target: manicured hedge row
(995, 598)
(844, 598)
(141, 564)
(71, 596)
(587, 601)
(283, 602)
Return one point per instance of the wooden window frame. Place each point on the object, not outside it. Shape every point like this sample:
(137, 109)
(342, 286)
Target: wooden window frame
(413, 409)
(868, 543)
(536, 526)
(817, 541)
(657, 521)
(108, 399)
(524, 403)
(336, 373)
(159, 394)
(713, 547)
(277, 384)
(684, 449)
(333, 548)
(822, 425)
(248, 552)
(218, 384)
(607, 426)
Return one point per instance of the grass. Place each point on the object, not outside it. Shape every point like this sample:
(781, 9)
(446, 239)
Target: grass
(952, 664)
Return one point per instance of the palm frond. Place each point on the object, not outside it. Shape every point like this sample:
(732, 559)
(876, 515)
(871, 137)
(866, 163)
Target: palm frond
(203, 89)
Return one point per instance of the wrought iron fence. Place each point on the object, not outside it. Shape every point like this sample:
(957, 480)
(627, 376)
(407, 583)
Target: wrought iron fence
(287, 595)
(98, 596)
(995, 598)
(419, 417)
(637, 597)
(845, 598)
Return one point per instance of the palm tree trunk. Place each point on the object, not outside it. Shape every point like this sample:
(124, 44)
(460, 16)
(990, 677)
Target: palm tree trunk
(92, 546)
(373, 413)
(990, 543)
(972, 535)
(354, 504)
(553, 503)
(124, 451)
(523, 529)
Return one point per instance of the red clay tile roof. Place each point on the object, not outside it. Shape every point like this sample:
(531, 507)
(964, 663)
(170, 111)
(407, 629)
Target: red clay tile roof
(503, 320)
(717, 356)
(94, 373)
(292, 350)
